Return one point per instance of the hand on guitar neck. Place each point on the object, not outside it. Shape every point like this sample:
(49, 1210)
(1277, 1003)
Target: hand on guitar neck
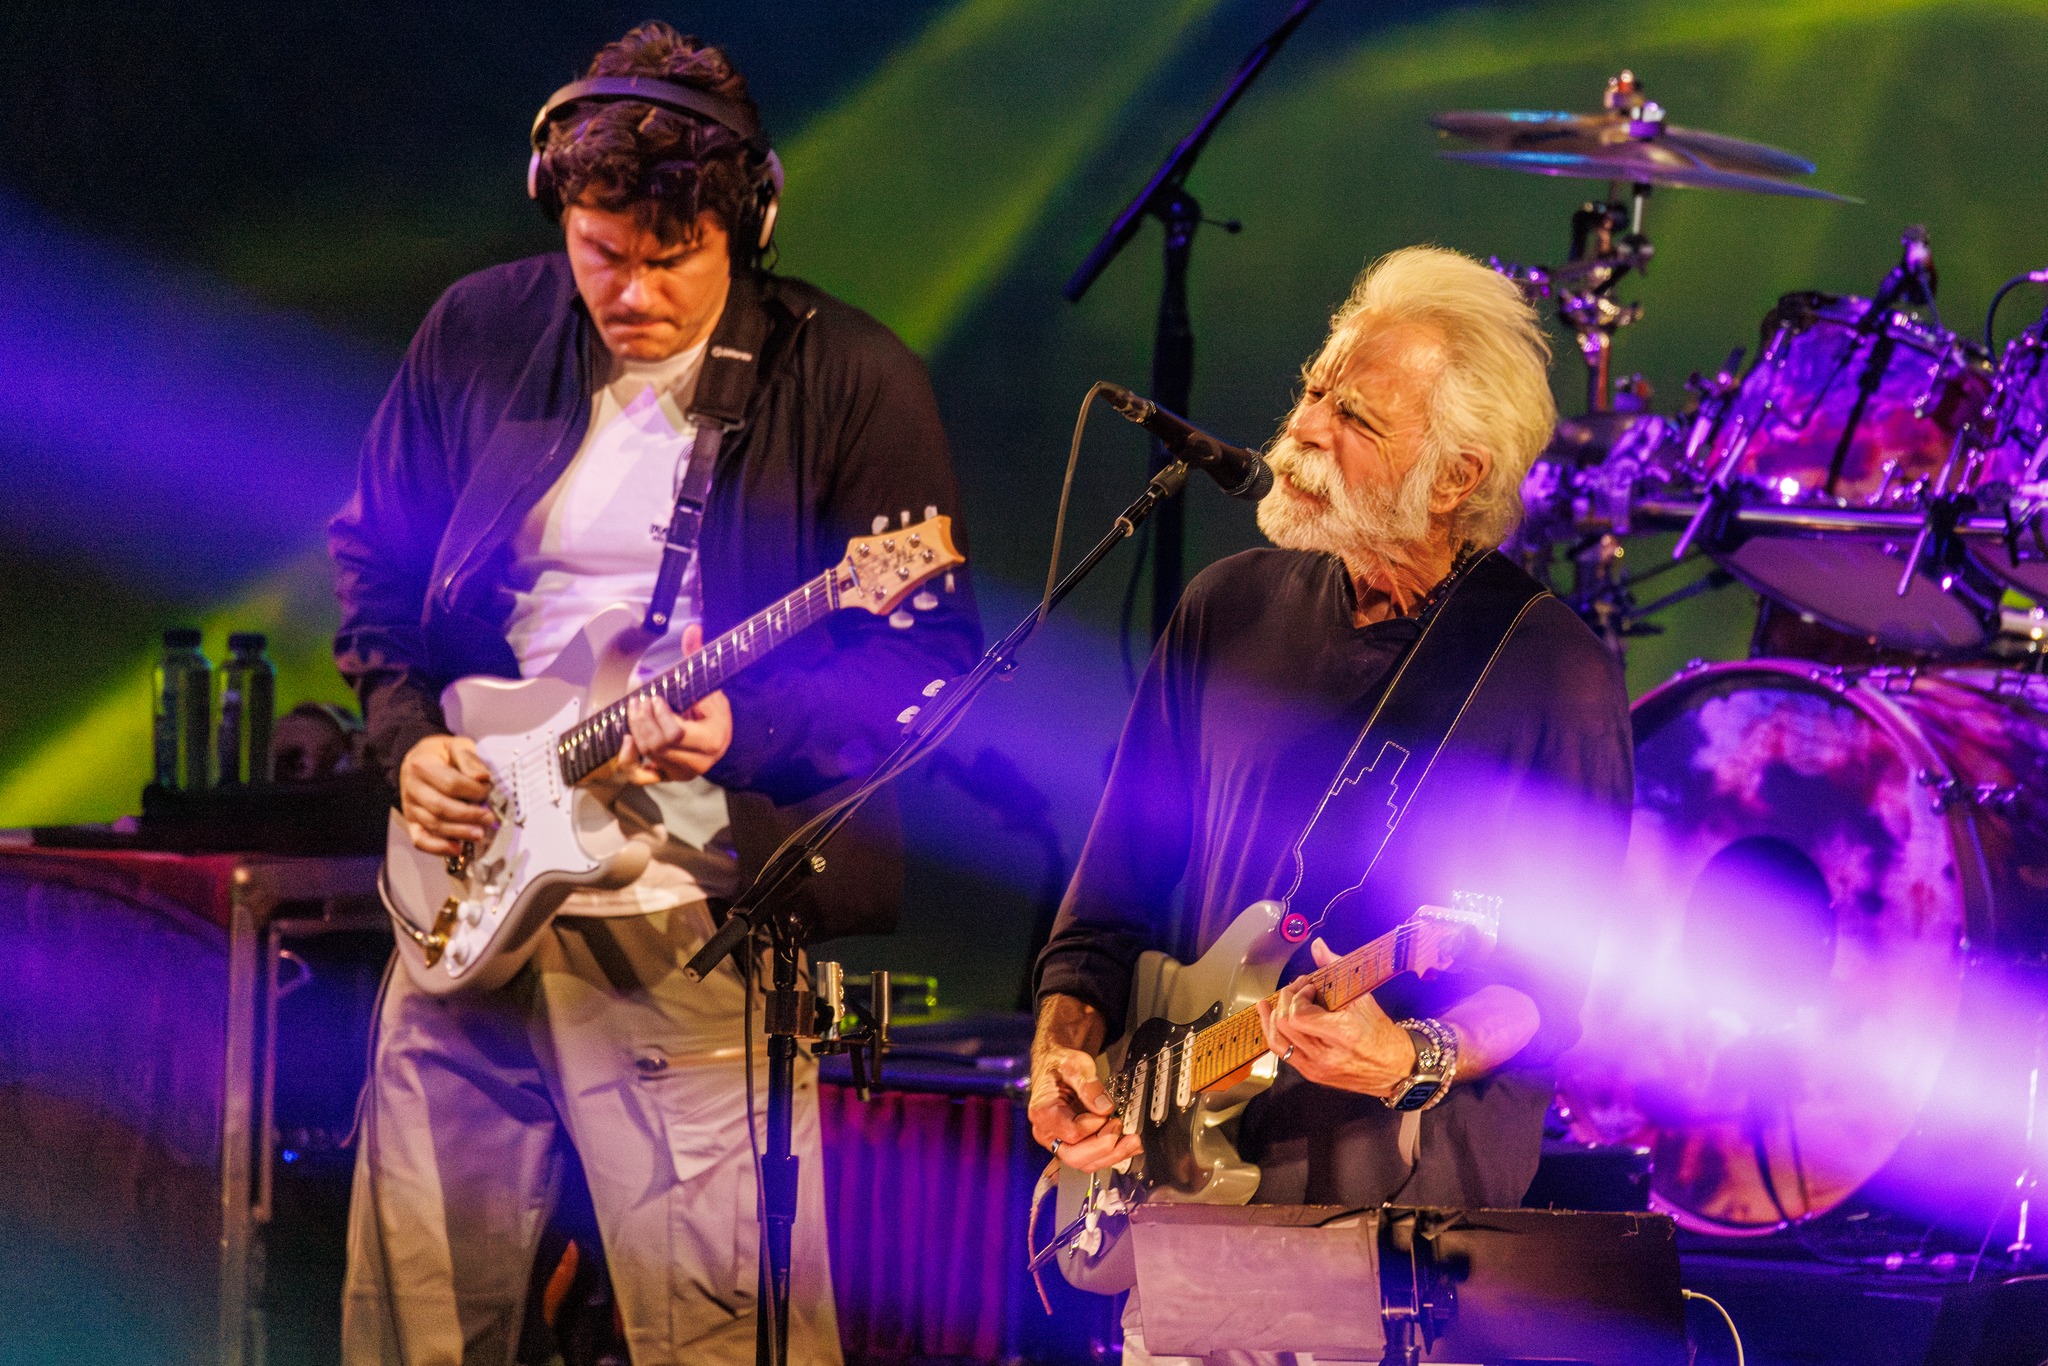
(444, 788)
(1358, 1047)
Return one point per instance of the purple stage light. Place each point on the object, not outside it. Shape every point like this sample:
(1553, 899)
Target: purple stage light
(159, 423)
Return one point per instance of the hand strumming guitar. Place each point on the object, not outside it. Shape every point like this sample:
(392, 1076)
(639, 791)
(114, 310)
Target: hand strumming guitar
(1069, 1106)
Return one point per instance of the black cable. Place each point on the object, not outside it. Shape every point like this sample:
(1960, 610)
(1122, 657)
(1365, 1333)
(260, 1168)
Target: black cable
(1059, 526)
(1127, 614)
(1991, 314)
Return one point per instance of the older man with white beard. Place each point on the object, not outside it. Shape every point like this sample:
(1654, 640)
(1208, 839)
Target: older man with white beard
(1397, 474)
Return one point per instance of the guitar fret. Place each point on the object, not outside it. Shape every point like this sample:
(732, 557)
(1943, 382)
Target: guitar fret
(594, 742)
(1236, 1041)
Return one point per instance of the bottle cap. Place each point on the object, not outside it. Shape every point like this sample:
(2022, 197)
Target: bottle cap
(182, 638)
(251, 641)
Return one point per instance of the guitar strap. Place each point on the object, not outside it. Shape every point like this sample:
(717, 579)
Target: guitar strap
(1402, 736)
(725, 385)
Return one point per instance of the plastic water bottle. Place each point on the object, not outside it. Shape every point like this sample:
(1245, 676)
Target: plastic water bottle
(184, 709)
(248, 705)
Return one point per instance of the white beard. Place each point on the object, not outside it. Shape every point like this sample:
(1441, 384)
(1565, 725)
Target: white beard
(1369, 530)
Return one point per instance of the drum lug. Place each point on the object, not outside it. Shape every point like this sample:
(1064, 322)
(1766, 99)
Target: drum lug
(1892, 679)
(1833, 677)
(1947, 791)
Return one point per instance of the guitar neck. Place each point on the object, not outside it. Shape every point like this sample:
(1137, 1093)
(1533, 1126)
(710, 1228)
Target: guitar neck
(1236, 1042)
(594, 742)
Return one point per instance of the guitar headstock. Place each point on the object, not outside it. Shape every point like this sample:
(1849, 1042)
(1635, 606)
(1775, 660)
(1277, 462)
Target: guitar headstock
(1464, 931)
(881, 570)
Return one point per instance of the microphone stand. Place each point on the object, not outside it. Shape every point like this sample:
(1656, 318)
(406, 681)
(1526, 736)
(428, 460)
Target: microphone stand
(1173, 342)
(765, 905)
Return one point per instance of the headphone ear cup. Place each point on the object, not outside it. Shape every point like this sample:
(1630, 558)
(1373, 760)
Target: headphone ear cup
(770, 200)
(540, 187)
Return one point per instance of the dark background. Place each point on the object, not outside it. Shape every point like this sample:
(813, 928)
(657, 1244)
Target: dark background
(219, 224)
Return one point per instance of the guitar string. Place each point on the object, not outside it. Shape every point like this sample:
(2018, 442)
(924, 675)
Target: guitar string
(1231, 1043)
(594, 741)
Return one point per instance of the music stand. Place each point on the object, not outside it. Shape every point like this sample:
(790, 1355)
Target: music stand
(1401, 1284)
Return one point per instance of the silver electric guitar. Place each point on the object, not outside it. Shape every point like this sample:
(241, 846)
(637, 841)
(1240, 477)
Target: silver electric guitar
(1182, 1086)
(470, 922)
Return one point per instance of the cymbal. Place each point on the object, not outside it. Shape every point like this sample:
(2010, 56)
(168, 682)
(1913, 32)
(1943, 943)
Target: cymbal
(1631, 143)
(1640, 169)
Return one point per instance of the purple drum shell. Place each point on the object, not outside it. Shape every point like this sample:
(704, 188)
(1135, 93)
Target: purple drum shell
(1834, 415)
(1781, 1057)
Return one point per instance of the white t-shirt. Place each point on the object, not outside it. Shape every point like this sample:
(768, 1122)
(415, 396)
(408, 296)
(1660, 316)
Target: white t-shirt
(595, 539)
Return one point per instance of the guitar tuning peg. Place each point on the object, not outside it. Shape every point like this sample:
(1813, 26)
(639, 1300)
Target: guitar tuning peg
(902, 620)
(880, 524)
(925, 600)
(931, 510)
(907, 715)
(933, 688)
(949, 581)
(905, 515)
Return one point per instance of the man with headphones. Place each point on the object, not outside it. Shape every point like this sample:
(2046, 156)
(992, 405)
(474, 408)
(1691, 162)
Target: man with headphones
(648, 417)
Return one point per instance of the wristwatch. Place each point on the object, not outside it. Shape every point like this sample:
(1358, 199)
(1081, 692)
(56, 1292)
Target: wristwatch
(1436, 1066)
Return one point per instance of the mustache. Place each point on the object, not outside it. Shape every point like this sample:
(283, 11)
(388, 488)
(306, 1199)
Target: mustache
(1313, 472)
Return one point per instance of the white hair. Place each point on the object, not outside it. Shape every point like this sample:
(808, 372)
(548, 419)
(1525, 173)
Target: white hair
(1493, 393)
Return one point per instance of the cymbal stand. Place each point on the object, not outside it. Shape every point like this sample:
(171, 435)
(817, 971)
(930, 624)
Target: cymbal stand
(1607, 243)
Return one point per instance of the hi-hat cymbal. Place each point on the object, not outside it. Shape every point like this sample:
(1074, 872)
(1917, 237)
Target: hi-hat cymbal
(1630, 141)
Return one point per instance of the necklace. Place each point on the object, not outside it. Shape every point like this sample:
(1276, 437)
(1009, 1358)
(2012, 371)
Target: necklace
(1462, 561)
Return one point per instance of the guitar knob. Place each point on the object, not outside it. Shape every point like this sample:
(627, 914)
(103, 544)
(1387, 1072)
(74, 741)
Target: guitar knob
(472, 912)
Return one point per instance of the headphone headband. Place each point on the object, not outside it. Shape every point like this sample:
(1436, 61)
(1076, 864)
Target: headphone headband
(671, 95)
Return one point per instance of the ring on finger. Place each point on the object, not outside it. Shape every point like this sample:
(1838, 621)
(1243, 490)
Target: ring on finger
(1288, 1054)
(1056, 1146)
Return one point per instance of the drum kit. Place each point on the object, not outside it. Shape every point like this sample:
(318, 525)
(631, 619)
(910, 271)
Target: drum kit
(1825, 1001)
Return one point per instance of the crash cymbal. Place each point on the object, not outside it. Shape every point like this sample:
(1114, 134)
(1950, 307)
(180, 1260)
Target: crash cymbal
(1525, 130)
(1628, 141)
(1642, 164)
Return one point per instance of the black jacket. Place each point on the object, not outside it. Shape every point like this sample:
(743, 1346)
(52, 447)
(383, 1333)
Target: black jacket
(488, 409)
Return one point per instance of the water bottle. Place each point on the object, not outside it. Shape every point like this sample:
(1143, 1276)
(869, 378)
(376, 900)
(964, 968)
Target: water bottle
(184, 707)
(248, 704)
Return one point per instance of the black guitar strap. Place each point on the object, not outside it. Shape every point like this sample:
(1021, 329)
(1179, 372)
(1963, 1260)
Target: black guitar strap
(725, 385)
(1402, 736)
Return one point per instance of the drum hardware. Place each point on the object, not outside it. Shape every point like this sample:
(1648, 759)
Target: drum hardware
(1629, 143)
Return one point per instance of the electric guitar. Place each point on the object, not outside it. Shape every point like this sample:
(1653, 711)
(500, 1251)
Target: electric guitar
(470, 922)
(1181, 1087)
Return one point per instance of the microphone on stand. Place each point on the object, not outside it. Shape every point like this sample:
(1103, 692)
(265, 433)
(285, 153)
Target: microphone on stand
(1238, 472)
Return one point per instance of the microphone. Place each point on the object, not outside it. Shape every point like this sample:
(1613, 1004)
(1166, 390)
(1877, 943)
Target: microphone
(1237, 471)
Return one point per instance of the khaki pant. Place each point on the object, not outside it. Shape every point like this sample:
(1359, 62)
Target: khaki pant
(599, 1042)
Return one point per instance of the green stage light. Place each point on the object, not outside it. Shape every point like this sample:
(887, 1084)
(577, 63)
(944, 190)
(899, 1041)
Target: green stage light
(914, 195)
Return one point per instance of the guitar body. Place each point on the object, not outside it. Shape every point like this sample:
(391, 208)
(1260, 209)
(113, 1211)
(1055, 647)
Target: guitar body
(1183, 1075)
(552, 838)
(1190, 1137)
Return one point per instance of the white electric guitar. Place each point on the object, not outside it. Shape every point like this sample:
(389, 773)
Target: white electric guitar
(470, 922)
(1182, 1086)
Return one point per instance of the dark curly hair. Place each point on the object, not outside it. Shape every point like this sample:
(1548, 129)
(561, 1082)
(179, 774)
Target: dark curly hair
(663, 166)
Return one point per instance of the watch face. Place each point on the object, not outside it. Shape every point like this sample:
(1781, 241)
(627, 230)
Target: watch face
(1417, 1095)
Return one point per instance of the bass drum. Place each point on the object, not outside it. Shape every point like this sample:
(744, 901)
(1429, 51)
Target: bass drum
(1828, 876)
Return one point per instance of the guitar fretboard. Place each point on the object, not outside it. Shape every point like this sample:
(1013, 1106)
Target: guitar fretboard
(1232, 1043)
(594, 742)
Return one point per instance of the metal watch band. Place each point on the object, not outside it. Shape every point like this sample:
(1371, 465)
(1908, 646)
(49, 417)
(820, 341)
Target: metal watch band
(1436, 1066)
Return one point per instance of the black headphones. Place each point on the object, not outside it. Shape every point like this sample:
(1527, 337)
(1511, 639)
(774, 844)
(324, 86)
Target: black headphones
(673, 96)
